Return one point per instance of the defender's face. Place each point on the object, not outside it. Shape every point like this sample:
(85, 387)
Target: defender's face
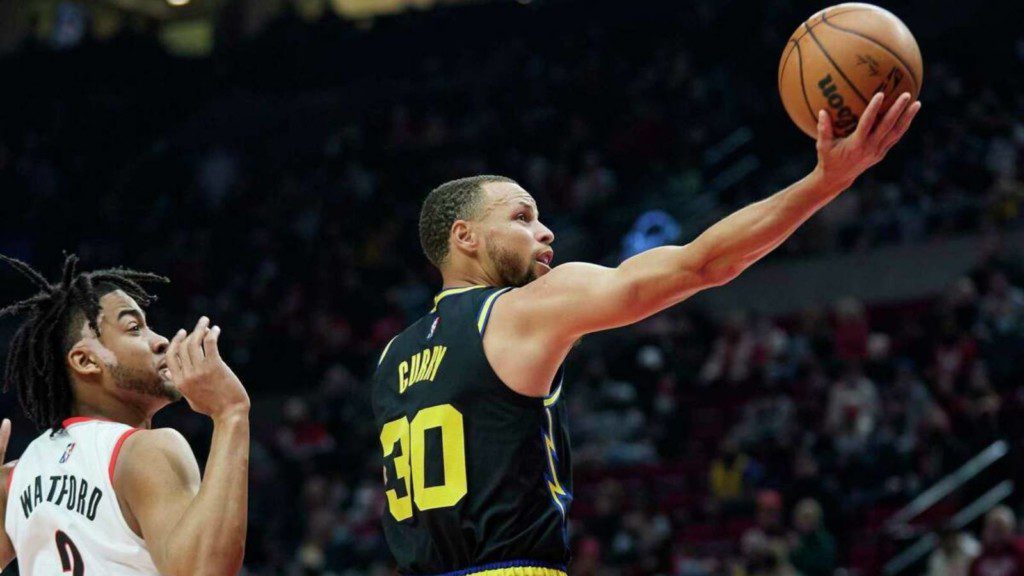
(517, 244)
(133, 356)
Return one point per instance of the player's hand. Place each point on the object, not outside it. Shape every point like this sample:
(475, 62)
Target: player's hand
(5, 436)
(841, 161)
(202, 377)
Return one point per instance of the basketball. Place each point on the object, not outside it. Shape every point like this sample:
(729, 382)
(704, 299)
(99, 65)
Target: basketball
(839, 58)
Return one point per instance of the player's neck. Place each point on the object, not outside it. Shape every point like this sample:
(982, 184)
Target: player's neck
(113, 411)
(460, 279)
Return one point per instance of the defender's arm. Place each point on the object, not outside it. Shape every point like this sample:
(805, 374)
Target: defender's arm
(192, 526)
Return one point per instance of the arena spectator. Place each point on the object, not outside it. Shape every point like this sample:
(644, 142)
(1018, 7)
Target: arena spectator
(813, 551)
(853, 410)
(1001, 554)
(954, 554)
(766, 546)
(732, 477)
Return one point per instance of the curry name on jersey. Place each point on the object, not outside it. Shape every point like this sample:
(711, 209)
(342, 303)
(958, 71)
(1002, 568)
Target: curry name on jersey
(477, 476)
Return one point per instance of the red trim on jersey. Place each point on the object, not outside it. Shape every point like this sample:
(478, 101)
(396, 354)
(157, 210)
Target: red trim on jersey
(79, 419)
(117, 450)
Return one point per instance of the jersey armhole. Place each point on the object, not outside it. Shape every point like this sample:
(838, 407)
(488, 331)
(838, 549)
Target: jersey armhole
(111, 468)
(117, 452)
(484, 315)
(385, 352)
(556, 387)
(555, 391)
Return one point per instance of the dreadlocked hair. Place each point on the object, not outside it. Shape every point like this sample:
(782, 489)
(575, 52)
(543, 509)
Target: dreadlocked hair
(35, 359)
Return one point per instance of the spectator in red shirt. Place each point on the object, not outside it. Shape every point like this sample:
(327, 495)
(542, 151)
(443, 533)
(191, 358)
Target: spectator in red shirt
(1000, 556)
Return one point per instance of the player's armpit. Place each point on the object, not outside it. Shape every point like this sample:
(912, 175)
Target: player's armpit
(6, 547)
(156, 478)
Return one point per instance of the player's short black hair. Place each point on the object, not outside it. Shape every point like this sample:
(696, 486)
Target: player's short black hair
(451, 201)
(54, 316)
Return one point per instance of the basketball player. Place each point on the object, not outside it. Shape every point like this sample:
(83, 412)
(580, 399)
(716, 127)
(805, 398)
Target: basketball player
(100, 492)
(468, 400)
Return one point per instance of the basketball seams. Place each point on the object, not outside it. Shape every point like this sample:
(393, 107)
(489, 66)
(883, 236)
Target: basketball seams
(803, 86)
(785, 60)
(825, 13)
(829, 17)
(836, 66)
(910, 71)
(794, 41)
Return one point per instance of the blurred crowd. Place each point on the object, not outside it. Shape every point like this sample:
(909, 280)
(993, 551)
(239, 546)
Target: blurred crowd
(278, 184)
(743, 447)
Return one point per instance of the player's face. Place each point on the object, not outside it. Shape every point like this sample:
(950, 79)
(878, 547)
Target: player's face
(133, 355)
(518, 246)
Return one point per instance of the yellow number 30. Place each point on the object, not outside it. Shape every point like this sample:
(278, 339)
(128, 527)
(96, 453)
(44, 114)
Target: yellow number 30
(410, 465)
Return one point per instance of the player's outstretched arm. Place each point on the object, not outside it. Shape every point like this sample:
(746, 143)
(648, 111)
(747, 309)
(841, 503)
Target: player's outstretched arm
(6, 548)
(192, 526)
(575, 298)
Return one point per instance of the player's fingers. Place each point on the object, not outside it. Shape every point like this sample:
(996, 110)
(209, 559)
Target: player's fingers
(5, 435)
(867, 119)
(210, 343)
(824, 131)
(185, 353)
(902, 125)
(195, 341)
(885, 127)
(174, 363)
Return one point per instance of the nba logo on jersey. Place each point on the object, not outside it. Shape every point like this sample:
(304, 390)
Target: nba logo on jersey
(433, 327)
(67, 453)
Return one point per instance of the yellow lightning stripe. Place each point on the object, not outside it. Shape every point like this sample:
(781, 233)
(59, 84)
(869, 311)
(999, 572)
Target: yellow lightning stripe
(553, 485)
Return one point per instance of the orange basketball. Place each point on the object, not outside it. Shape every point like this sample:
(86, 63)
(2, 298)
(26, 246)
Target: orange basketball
(839, 58)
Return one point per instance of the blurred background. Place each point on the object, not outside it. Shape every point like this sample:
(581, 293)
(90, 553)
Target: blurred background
(851, 405)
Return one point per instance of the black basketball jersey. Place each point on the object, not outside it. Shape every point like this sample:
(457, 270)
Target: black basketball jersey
(477, 476)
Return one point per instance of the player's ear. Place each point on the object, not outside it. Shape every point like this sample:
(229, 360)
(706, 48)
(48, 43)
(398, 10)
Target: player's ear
(464, 237)
(83, 360)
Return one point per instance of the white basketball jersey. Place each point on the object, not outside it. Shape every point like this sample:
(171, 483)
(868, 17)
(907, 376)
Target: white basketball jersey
(62, 514)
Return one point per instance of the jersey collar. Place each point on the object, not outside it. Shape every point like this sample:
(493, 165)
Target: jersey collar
(450, 291)
(79, 419)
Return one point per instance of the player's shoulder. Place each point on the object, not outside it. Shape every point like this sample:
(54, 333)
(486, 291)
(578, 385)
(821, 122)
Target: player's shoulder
(144, 446)
(150, 463)
(156, 439)
(571, 279)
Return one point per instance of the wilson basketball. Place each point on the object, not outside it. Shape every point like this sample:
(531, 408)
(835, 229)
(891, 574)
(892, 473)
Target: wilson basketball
(839, 58)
